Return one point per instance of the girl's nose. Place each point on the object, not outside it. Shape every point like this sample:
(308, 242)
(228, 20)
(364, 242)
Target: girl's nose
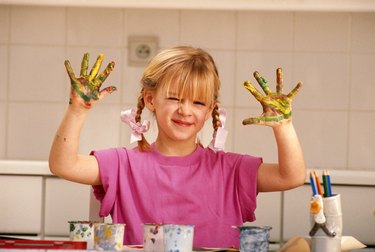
(183, 107)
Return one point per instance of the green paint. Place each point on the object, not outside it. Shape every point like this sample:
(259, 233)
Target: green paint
(88, 86)
(277, 107)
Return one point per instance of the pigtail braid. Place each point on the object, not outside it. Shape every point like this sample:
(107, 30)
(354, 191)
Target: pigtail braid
(216, 118)
(143, 145)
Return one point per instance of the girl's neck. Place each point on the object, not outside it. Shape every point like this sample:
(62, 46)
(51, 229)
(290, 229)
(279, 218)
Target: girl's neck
(182, 148)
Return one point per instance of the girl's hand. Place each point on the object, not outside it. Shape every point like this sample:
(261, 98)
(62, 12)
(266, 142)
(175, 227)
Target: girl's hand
(86, 88)
(277, 107)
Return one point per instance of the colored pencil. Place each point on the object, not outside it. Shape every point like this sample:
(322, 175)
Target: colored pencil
(313, 183)
(318, 185)
(327, 184)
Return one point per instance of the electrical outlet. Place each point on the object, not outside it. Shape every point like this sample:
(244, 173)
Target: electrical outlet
(141, 49)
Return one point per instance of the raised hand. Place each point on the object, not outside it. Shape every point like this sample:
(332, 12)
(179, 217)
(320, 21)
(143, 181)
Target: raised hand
(85, 89)
(277, 107)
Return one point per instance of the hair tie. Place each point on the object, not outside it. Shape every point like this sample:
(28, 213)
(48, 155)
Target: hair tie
(137, 129)
(220, 135)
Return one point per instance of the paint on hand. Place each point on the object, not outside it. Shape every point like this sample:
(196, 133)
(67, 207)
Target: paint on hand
(87, 86)
(277, 107)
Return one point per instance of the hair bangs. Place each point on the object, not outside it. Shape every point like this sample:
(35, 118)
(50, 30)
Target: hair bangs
(191, 81)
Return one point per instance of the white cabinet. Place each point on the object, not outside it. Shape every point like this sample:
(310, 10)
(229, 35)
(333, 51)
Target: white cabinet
(358, 206)
(21, 204)
(268, 213)
(297, 212)
(358, 211)
(41, 205)
(64, 201)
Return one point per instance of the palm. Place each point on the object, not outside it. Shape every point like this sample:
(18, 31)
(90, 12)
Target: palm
(87, 86)
(277, 107)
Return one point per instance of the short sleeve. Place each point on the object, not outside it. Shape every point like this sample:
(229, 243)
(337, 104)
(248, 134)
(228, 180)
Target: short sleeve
(109, 161)
(247, 185)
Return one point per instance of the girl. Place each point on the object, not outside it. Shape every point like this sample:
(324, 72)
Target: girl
(175, 179)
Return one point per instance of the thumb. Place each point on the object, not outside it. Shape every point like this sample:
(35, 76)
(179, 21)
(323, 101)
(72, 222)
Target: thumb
(106, 91)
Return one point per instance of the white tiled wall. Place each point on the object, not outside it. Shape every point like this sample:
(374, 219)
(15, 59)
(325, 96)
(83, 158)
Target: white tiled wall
(333, 53)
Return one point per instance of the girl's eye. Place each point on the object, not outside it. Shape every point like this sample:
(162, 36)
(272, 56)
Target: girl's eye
(200, 103)
(173, 98)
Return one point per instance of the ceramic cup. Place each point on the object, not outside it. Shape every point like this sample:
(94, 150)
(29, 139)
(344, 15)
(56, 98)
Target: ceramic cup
(153, 237)
(178, 237)
(82, 231)
(254, 239)
(320, 242)
(108, 236)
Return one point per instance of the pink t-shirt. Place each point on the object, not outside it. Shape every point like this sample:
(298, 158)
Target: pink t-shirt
(211, 190)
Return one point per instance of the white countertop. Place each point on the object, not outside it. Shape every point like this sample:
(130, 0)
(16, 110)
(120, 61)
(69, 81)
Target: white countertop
(24, 167)
(273, 5)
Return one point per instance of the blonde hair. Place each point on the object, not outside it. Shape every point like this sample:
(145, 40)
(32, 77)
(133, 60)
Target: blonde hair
(192, 69)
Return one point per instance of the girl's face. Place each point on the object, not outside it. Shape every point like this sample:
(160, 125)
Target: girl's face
(179, 119)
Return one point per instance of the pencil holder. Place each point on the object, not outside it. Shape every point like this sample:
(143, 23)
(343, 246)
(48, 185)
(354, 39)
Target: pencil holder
(326, 237)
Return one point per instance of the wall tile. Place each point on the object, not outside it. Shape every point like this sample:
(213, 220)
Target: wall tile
(38, 25)
(31, 128)
(163, 24)
(325, 78)
(362, 82)
(75, 55)
(254, 140)
(131, 82)
(37, 73)
(266, 64)
(94, 27)
(363, 32)
(4, 23)
(3, 123)
(323, 136)
(3, 72)
(362, 141)
(322, 32)
(226, 62)
(259, 30)
(101, 129)
(208, 29)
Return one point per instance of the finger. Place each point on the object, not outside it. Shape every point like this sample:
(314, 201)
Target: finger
(69, 70)
(251, 120)
(85, 64)
(96, 67)
(107, 91)
(253, 90)
(295, 90)
(262, 82)
(103, 76)
(279, 81)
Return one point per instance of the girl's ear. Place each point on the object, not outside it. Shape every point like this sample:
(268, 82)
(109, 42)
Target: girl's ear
(148, 98)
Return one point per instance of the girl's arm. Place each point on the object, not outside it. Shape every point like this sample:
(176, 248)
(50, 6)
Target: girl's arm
(64, 160)
(290, 171)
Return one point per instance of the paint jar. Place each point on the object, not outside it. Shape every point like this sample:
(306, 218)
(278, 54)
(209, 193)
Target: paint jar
(178, 237)
(320, 241)
(254, 239)
(82, 231)
(153, 237)
(108, 236)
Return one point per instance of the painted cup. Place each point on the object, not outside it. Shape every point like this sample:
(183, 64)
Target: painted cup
(153, 237)
(320, 242)
(178, 238)
(108, 236)
(82, 231)
(254, 239)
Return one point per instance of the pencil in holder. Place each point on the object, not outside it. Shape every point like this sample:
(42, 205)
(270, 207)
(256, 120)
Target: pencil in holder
(326, 230)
